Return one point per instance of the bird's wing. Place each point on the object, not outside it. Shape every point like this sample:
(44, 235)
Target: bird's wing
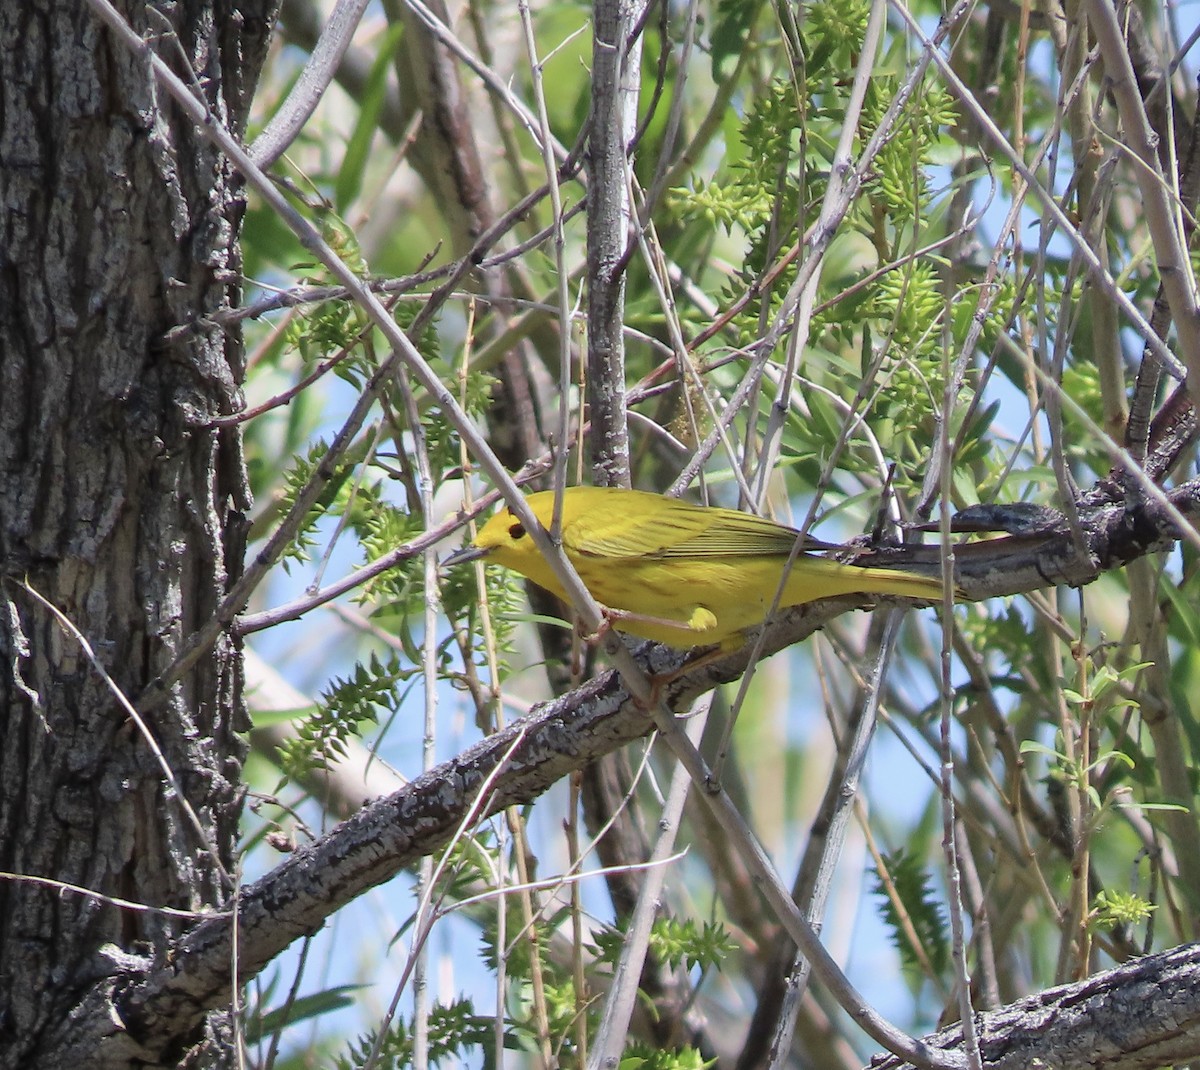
(626, 526)
(666, 528)
(728, 532)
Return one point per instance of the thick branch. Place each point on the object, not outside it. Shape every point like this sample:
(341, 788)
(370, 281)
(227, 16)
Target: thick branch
(147, 1006)
(1143, 1014)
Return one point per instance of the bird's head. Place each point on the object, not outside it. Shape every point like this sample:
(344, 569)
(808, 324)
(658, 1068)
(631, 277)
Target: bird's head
(503, 539)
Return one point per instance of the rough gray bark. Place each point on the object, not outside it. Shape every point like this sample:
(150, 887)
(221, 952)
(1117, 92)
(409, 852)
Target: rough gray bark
(610, 233)
(1141, 1015)
(118, 503)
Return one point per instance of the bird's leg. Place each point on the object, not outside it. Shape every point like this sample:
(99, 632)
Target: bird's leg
(607, 619)
(702, 620)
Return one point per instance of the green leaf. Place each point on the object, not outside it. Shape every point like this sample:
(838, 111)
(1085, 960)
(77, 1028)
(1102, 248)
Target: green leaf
(374, 94)
(731, 31)
(301, 1009)
(913, 886)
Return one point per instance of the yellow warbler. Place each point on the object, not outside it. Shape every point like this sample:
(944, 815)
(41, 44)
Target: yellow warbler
(678, 573)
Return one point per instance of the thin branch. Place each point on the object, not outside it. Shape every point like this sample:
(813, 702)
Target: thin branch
(623, 994)
(1159, 201)
(305, 95)
(613, 117)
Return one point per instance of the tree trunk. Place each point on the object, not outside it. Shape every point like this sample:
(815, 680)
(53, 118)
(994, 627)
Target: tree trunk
(120, 505)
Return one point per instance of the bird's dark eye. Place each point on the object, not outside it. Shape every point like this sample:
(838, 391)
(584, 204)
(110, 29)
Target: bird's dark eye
(516, 531)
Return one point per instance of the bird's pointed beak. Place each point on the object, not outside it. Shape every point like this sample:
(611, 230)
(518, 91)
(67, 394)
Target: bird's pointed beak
(467, 553)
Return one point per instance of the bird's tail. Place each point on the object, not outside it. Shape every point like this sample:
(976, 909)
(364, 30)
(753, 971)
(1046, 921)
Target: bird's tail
(819, 577)
(896, 582)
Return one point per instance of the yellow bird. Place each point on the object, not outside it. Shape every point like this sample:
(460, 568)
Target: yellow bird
(678, 573)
